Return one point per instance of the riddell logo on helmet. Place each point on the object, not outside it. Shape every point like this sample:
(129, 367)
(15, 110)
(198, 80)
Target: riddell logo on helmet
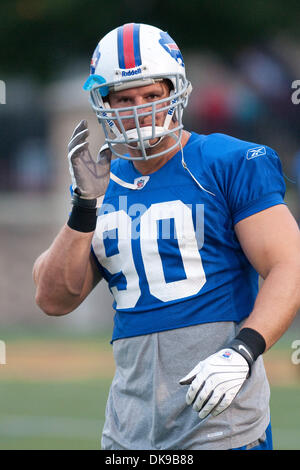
(129, 73)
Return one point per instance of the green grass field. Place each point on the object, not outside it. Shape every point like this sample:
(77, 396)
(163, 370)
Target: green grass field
(70, 416)
(285, 411)
(52, 415)
(51, 408)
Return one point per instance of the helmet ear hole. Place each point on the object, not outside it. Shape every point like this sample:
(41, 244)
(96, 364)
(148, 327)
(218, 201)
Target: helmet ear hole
(169, 84)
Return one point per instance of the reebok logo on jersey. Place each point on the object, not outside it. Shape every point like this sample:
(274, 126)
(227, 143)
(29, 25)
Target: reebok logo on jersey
(256, 152)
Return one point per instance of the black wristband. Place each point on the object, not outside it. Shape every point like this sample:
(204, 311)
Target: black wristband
(250, 344)
(85, 203)
(83, 217)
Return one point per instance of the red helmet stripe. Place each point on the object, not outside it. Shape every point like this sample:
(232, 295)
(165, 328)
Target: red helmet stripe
(128, 46)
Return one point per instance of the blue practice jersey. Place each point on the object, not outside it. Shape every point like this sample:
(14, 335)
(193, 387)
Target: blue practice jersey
(168, 249)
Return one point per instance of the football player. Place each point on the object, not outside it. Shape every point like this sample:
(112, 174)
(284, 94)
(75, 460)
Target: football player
(180, 226)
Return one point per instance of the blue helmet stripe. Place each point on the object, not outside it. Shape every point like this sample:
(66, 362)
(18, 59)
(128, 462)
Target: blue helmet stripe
(120, 48)
(136, 45)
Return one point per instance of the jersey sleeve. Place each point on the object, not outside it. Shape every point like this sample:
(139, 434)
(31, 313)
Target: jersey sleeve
(253, 182)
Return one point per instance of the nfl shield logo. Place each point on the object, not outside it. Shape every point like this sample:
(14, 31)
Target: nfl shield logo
(141, 181)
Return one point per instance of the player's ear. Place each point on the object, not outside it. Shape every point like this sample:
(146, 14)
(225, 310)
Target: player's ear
(169, 84)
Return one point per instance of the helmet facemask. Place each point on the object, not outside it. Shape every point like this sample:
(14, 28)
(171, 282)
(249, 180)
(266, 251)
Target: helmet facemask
(138, 138)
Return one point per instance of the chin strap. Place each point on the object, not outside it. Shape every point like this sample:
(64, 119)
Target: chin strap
(191, 174)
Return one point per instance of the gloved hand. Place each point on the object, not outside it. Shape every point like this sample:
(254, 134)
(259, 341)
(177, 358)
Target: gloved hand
(215, 382)
(89, 178)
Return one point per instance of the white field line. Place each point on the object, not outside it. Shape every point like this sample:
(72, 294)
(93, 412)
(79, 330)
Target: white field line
(51, 426)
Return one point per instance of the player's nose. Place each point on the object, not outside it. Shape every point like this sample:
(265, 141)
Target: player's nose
(139, 101)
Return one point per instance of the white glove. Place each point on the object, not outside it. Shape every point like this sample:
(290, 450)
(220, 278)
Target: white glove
(89, 178)
(215, 382)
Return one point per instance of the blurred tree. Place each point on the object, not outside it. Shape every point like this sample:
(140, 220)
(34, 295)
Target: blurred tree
(39, 36)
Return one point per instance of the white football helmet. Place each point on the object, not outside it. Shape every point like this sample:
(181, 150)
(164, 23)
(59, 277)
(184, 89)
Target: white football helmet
(130, 56)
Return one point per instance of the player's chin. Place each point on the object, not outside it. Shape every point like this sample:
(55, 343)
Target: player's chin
(148, 143)
(153, 142)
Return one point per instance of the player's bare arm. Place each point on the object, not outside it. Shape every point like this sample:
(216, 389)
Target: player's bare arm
(61, 287)
(66, 273)
(271, 241)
